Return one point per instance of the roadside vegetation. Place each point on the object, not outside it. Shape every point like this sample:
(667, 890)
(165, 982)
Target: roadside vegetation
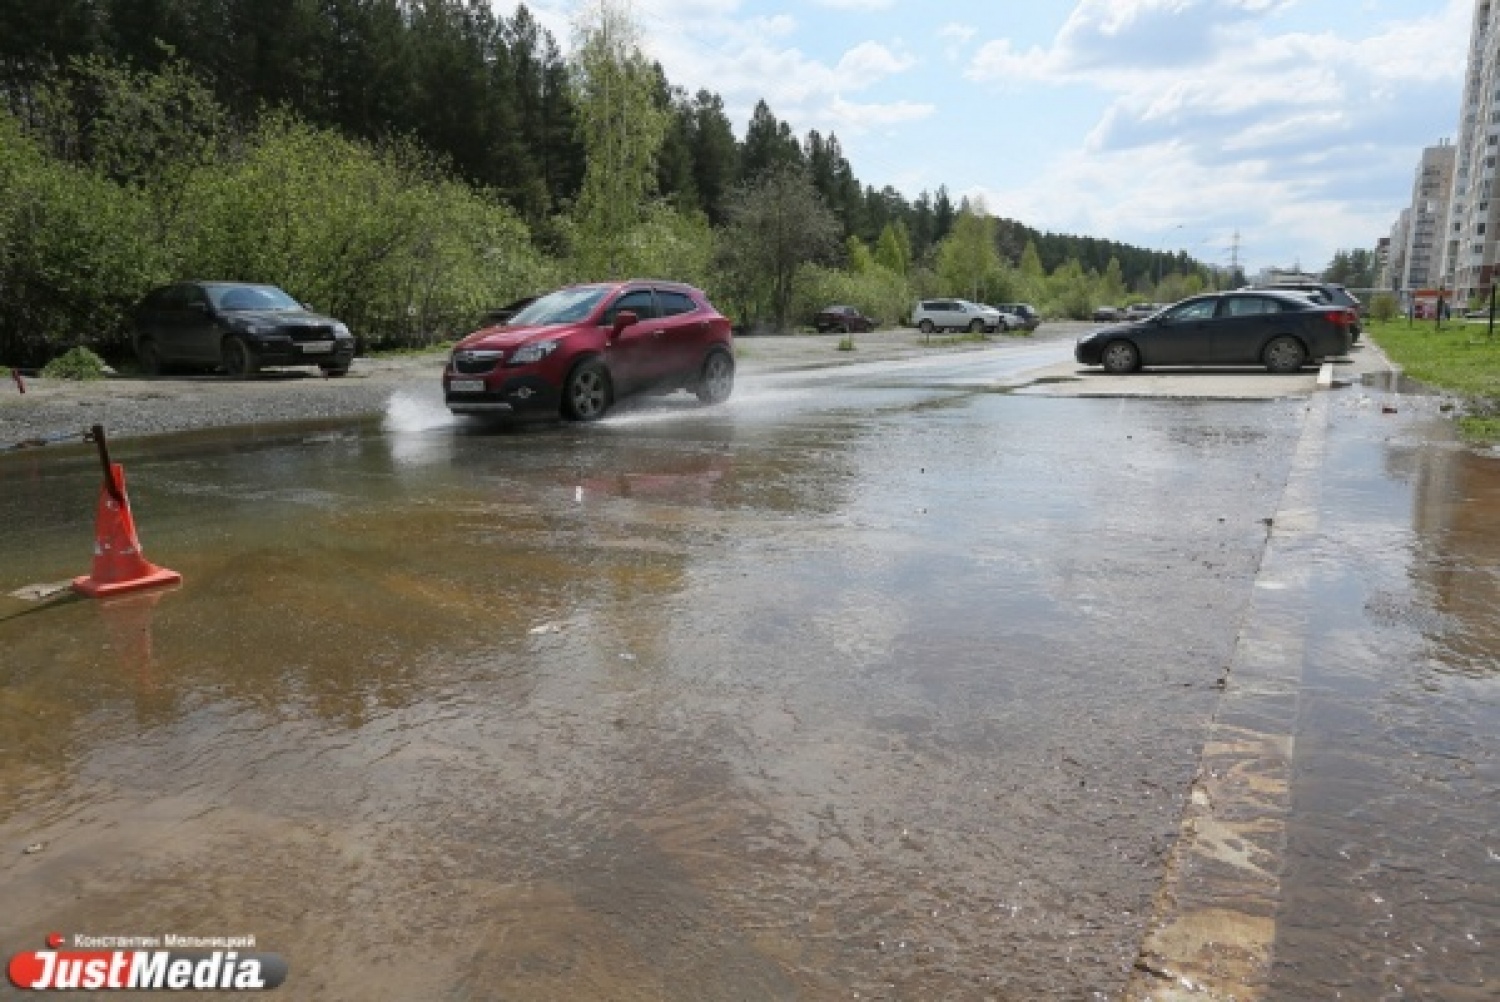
(1459, 357)
(78, 364)
(406, 166)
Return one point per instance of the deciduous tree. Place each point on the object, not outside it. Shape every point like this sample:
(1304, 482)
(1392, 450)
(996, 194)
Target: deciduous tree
(622, 127)
(778, 222)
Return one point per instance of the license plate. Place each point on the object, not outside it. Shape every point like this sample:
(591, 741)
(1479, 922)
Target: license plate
(316, 347)
(466, 386)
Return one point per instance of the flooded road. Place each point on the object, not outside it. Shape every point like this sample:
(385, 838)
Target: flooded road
(878, 682)
(1392, 885)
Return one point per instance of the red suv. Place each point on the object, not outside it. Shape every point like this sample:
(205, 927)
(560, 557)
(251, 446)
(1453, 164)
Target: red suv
(581, 348)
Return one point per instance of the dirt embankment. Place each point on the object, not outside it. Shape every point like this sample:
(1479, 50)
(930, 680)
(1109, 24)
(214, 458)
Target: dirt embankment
(59, 410)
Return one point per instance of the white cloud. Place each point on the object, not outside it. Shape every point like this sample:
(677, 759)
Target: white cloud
(1221, 121)
(775, 26)
(955, 32)
(746, 57)
(868, 61)
(1256, 94)
(999, 61)
(956, 38)
(1205, 113)
(856, 118)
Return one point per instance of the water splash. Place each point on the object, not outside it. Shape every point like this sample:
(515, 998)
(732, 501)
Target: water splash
(409, 411)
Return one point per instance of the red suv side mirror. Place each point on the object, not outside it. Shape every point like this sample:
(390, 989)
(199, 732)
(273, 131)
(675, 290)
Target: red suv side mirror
(623, 319)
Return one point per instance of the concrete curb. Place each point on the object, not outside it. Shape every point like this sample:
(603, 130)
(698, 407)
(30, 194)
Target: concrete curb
(1213, 926)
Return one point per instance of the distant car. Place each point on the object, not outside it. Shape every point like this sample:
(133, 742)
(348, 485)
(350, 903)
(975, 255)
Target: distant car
(1108, 313)
(1139, 311)
(1326, 292)
(578, 350)
(954, 315)
(235, 326)
(501, 316)
(1282, 331)
(845, 319)
(1009, 321)
(1029, 317)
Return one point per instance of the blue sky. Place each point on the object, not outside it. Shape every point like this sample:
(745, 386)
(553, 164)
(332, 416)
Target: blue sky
(1162, 123)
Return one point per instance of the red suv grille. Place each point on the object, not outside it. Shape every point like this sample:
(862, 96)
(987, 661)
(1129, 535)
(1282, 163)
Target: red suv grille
(476, 363)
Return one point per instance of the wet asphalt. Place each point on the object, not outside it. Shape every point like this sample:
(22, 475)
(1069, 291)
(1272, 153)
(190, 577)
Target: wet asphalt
(879, 682)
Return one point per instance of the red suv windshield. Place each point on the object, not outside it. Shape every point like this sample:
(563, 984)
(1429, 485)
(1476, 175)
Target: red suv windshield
(565, 306)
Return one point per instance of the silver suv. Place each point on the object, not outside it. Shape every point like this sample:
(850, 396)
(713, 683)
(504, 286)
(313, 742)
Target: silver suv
(955, 315)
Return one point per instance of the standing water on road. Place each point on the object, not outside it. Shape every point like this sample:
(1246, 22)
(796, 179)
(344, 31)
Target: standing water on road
(1392, 887)
(891, 690)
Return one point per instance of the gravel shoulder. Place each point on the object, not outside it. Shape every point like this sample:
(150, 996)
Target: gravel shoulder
(57, 411)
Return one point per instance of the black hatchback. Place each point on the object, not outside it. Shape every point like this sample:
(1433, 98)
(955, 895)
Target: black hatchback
(235, 326)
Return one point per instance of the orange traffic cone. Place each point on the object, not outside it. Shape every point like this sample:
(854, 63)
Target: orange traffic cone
(119, 565)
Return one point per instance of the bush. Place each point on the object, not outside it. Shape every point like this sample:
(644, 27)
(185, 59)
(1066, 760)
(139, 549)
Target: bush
(1384, 307)
(375, 237)
(78, 363)
(878, 293)
(74, 251)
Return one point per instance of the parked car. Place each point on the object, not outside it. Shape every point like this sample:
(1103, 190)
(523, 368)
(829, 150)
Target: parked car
(954, 315)
(236, 326)
(1140, 311)
(501, 316)
(845, 319)
(578, 350)
(1028, 315)
(1281, 330)
(1330, 293)
(1008, 321)
(1108, 313)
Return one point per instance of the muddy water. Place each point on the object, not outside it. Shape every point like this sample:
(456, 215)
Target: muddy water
(885, 691)
(1392, 887)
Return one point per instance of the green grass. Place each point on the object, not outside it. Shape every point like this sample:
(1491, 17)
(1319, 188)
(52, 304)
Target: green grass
(1480, 429)
(1459, 358)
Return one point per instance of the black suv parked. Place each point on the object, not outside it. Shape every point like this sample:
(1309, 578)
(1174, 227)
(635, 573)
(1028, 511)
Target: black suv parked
(1327, 293)
(1030, 318)
(236, 326)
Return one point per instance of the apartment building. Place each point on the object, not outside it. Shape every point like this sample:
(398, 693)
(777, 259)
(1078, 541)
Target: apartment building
(1394, 272)
(1426, 234)
(1469, 248)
